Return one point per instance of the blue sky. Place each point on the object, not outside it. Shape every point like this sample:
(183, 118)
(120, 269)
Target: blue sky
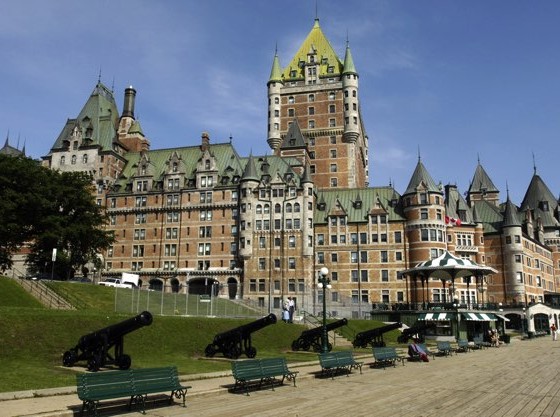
(452, 80)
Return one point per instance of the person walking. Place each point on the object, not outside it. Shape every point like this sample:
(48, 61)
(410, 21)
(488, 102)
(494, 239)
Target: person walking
(553, 331)
(291, 308)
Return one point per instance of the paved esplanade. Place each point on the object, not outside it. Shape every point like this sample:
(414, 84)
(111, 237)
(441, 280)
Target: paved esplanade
(520, 379)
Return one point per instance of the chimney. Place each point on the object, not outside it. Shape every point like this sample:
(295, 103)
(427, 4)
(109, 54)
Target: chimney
(129, 97)
(205, 141)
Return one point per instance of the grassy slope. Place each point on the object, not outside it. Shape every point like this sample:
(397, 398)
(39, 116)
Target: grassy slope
(33, 339)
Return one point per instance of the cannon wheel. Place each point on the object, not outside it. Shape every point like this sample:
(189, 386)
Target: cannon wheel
(93, 364)
(123, 362)
(69, 358)
(295, 345)
(232, 352)
(209, 351)
(251, 352)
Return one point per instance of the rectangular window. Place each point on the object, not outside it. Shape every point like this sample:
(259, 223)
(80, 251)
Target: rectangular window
(385, 275)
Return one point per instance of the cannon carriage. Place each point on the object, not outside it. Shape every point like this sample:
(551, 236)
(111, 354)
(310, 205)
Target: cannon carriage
(374, 337)
(94, 348)
(312, 337)
(234, 342)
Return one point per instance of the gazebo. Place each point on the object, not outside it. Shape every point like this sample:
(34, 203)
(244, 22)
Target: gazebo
(449, 268)
(446, 267)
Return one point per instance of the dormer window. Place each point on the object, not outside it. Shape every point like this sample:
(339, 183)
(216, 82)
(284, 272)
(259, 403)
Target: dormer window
(175, 166)
(544, 205)
(207, 164)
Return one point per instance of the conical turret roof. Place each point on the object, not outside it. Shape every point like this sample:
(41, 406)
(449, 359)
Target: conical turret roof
(421, 177)
(276, 71)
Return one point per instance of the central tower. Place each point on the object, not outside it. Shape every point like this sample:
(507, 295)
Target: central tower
(319, 92)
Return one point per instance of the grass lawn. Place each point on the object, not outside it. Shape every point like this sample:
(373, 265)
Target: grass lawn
(33, 339)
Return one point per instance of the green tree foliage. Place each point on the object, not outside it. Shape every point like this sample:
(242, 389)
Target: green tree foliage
(48, 209)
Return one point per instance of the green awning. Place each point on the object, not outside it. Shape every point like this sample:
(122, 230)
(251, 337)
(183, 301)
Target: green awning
(436, 316)
(479, 316)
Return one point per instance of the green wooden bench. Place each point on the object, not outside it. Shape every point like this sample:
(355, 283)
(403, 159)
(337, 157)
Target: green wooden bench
(261, 371)
(133, 383)
(386, 356)
(335, 362)
(444, 349)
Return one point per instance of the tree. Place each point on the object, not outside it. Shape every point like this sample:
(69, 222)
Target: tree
(50, 210)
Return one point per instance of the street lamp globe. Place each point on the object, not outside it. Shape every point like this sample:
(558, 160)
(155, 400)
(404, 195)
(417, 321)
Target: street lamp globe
(324, 271)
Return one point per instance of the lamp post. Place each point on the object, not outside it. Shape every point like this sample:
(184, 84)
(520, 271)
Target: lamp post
(523, 324)
(324, 282)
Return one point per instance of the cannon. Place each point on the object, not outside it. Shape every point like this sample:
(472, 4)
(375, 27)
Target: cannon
(234, 342)
(417, 331)
(94, 347)
(374, 336)
(312, 337)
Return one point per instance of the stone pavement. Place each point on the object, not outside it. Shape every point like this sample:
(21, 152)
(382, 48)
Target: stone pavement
(519, 379)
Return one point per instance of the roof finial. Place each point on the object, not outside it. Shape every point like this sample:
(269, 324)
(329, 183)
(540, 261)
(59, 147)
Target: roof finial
(316, 9)
(230, 138)
(534, 164)
(113, 86)
(507, 190)
(419, 158)
(99, 76)
(478, 158)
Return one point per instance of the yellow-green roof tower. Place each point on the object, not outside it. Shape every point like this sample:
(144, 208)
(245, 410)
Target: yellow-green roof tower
(320, 91)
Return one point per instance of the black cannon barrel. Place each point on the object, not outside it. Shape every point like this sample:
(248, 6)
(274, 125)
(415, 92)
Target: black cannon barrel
(246, 329)
(238, 340)
(362, 339)
(116, 331)
(318, 330)
(417, 330)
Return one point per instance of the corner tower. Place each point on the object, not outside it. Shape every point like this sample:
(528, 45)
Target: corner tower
(320, 91)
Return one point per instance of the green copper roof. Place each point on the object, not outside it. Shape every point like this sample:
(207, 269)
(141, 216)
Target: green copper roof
(421, 176)
(376, 200)
(136, 128)
(489, 215)
(540, 199)
(511, 217)
(250, 171)
(325, 55)
(294, 138)
(276, 72)
(349, 67)
(481, 182)
(227, 160)
(99, 118)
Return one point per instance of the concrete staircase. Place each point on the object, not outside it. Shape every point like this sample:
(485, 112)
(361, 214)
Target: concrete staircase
(44, 294)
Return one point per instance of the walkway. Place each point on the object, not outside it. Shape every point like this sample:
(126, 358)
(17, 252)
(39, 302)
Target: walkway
(520, 379)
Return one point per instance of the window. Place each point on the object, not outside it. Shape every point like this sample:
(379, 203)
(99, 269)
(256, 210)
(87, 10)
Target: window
(333, 153)
(384, 275)
(291, 263)
(398, 237)
(333, 168)
(262, 264)
(311, 98)
(311, 111)
(204, 249)
(291, 100)
(424, 214)
(320, 239)
(384, 256)
(332, 108)
(320, 257)
(291, 241)
(311, 124)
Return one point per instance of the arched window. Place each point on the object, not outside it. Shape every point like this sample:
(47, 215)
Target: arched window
(288, 208)
(296, 208)
(73, 160)
(277, 208)
(258, 209)
(84, 158)
(62, 160)
(266, 208)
